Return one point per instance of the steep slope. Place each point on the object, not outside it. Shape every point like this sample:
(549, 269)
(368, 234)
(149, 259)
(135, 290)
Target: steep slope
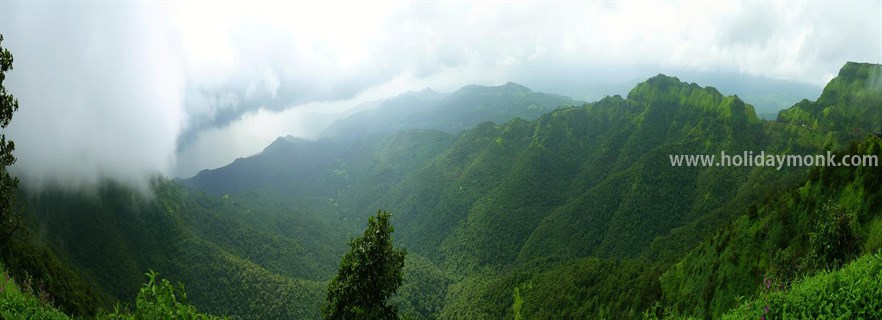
(450, 113)
(508, 178)
(830, 216)
(515, 191)
(388, 116)
(233, 268)
(795, 138)
(849, 103)
(852, 292)
(834, 216)
(18, 302)
(592, 181)
(39, 270)
(328, 179)
(287, 166)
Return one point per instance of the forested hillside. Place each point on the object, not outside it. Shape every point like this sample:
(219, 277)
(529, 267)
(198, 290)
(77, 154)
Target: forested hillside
(834, 216)
(509, 208)
(231, 266)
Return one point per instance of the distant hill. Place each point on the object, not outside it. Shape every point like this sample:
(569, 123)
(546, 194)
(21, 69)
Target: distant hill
(288, 165)
(767, 95)
(450, 113)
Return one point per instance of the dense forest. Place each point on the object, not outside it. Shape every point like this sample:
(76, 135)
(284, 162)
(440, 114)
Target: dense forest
(510, 204)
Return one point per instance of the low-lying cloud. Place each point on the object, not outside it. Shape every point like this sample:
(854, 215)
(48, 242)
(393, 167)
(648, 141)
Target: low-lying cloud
(100, 94)
(126, 90)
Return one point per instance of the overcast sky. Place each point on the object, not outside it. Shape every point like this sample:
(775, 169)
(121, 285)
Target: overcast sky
(126, 90)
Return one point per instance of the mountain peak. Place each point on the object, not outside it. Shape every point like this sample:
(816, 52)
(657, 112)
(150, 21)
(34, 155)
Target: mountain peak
(855, 82)
(427, 91)
(663, 87)
(283, 143)
(859, 70)
(508, 87)
(663, 79)
(515, 87)
(849, 103)
(669, 95)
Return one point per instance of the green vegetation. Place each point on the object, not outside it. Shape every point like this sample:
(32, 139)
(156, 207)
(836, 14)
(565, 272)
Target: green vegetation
(503, 195)
(849, 103)
(232, 267)
(819, 225)
(422, 291)
(10, 216)
(575, 213)
(369, 274)
(25, 257)
(849, 293)
(21, 252)
(594, 288)
(21, 302)
(159, 299)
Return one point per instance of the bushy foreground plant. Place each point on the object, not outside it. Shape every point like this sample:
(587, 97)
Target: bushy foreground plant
(159, 299)
(20, 302)
(853, 292)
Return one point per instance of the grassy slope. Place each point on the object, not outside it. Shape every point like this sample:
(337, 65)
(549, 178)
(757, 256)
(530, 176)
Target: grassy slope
(851, 292)
(17, 302)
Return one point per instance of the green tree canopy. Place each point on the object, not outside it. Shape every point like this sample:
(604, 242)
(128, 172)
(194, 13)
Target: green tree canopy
(369, 274)
(10, 217)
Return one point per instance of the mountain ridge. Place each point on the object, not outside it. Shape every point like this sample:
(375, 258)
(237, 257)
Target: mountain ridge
(579, 203)
(451, 113)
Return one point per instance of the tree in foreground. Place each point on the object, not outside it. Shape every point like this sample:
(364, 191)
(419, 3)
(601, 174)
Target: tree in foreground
(369, 274)
(10, 217)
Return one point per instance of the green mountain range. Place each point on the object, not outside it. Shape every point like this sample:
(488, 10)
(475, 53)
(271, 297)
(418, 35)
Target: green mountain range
(511, 204)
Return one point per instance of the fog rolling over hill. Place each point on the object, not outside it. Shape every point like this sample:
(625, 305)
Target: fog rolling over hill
(413, 160)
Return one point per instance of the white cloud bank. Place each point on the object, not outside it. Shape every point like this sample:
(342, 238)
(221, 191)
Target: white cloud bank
(125, 90)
